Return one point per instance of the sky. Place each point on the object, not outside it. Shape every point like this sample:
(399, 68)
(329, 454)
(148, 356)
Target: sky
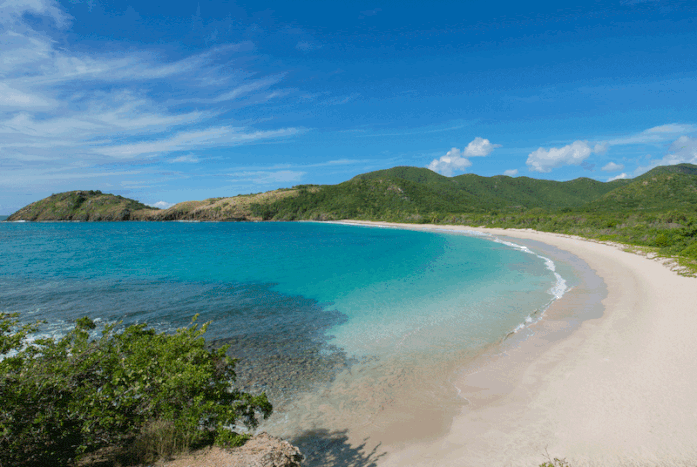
(206, 99)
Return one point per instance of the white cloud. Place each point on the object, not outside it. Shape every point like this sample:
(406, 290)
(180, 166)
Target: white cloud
(657, 134)
(479, 147)
(618, 177)
(612, 167)
(544, 160)
(671, 128)
(601, 148)
(67, 110)
(12, 11)
(186, 159)
(451, 162)
(162, 205)
(242, 90)
(511, 172)
(16, 99)
(456, 161)
(211, 137)
(686, 146)
(684, 150)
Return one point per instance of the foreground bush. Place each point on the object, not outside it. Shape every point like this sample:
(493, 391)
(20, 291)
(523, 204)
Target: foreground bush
(157, 392)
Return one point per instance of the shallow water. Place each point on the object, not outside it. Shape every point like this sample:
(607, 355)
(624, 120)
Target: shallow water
(335, 322)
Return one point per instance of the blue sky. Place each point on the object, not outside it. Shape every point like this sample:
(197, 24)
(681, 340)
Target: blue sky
(203, 99)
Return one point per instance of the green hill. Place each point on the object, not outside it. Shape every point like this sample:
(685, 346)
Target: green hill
(686, 169)
(661, 190)
(472, 192)
(407, 194)
(80, 206)
(530, 193)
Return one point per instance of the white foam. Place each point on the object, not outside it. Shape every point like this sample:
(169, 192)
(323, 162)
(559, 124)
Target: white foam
(557, 290)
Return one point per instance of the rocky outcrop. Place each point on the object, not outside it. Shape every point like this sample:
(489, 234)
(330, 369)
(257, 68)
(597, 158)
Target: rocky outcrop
(263, 450)
(267, 451)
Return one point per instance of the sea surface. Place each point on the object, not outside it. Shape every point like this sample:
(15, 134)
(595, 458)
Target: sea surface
(350, 316)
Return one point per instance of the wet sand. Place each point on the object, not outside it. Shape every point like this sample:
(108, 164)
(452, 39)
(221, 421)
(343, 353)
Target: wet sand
(616, 387)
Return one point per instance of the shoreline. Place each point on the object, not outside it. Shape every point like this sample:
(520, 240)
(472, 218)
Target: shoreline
(618, 389)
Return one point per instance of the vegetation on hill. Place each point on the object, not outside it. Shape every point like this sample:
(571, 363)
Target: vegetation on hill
(80, 206)
(659, 191)
(235, 208)
(411, 194)
(472, 192)
(143, 394)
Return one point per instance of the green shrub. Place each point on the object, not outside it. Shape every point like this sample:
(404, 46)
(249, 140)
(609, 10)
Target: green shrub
(60, 399)
(690, 251)
(662, 240)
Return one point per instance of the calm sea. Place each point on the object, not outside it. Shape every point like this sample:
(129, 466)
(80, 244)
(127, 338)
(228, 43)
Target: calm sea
(346, 313)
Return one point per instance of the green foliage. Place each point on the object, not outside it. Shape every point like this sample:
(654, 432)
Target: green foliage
(60, 399)
(556, 462)
(410, 194)
(690, 251)
(79, 205)
(659, 191)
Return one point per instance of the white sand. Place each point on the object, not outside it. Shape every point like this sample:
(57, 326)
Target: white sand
(621, 390)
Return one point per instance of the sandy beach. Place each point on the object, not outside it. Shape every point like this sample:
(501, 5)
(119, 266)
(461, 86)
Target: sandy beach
(618, 390)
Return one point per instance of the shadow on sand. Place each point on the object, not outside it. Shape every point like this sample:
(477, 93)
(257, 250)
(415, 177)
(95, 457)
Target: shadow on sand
(323, 448)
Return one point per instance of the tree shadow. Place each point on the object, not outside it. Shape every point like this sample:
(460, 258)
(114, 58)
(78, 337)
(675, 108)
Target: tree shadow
(323, 448)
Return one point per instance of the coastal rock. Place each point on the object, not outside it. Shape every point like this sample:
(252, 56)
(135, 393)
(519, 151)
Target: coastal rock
(265, 450)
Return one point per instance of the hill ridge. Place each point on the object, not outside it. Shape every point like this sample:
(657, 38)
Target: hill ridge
(402, 193)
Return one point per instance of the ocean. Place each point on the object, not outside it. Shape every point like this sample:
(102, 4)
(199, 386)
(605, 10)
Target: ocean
(334, 322)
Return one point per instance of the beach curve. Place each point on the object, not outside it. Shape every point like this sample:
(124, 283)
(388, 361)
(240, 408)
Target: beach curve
(619, 390)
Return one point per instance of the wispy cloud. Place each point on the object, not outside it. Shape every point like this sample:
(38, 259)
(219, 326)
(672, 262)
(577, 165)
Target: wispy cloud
(66, 109)
(187, 140)
(185, 159)
(683, 150)
(511, 172)
(657, 134)
(12, 11)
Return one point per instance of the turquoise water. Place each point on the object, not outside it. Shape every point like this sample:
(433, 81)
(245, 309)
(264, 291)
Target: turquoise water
(305, 299)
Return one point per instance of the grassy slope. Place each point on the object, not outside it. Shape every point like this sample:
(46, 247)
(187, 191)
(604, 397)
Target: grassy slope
(237, 208)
